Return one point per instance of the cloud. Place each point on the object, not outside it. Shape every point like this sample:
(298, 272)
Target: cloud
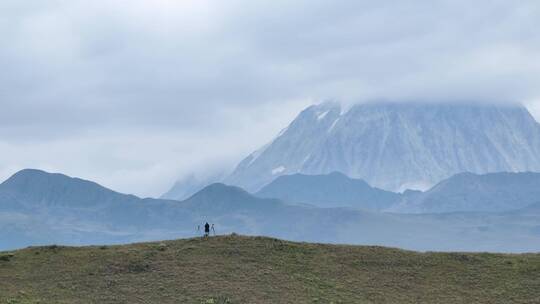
(139, 93)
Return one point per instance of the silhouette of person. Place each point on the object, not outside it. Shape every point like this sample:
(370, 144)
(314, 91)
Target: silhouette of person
(206, 229)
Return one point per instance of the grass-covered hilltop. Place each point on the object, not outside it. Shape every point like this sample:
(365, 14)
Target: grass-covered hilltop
(239, 269)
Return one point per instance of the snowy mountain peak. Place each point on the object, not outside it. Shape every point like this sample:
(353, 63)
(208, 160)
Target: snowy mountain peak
(397, 146)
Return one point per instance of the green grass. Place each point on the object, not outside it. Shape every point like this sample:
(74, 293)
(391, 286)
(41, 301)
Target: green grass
(238, 269)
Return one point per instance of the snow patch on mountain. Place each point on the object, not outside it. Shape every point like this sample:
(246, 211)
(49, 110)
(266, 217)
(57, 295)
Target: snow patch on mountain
(333, 125)
(278, 170)
(322, 115)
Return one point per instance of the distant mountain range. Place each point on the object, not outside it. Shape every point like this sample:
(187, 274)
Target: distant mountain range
(493, 192)
(37, 207)
(34, 189)
(397, 146)
(191, 184)
(329, 190)
(464, 192)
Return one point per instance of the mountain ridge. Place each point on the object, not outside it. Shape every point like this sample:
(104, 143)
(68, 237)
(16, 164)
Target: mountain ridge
(57, 188)
(231, 209)
(463, 192)
(189, 185)
(491, 192)
(329, 190)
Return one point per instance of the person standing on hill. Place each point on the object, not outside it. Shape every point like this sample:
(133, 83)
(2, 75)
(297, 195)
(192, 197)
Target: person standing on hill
(206, 229)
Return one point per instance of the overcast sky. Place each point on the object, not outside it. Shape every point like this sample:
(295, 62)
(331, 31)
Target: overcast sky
(135, 94)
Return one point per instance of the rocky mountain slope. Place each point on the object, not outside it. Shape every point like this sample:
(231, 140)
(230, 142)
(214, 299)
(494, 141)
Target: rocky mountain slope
(395, 146)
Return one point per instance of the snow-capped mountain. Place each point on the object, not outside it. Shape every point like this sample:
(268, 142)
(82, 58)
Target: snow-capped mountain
(397, 146)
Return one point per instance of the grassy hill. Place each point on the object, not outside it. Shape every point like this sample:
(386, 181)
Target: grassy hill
(239, 269)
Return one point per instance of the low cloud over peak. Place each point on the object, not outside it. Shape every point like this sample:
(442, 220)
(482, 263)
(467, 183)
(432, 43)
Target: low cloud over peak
(134, 95)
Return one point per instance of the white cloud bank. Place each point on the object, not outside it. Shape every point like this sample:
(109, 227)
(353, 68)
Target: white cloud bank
(134, 94)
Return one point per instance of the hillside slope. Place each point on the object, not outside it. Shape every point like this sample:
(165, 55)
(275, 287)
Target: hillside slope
(237, 269)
